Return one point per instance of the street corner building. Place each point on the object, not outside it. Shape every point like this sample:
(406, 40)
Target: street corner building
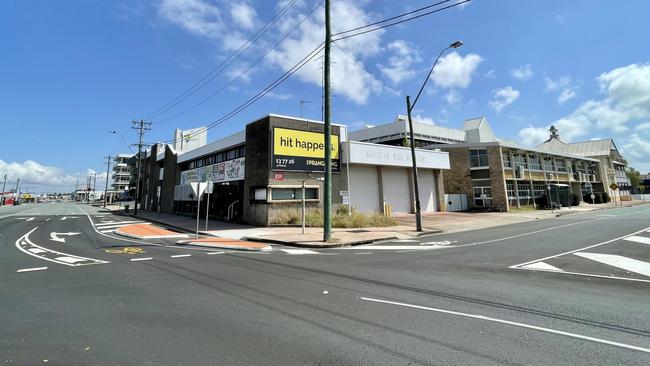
(490, 172)
(254, 175)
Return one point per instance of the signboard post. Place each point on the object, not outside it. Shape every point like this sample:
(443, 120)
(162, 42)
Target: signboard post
(209, 187)
(198, 189)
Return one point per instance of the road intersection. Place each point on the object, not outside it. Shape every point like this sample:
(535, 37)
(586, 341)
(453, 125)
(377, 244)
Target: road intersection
(506, 295)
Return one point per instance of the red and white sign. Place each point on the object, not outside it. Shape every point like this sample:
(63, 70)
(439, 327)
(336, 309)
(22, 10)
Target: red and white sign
(278, 176)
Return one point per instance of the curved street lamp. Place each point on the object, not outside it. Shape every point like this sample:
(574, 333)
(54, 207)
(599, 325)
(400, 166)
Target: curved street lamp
(409, 109)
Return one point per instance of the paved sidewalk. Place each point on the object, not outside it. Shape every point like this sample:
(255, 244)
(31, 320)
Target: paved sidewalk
(448, 222)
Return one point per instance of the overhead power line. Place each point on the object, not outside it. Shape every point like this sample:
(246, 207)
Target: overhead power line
(349, 55)
(219, 68)
(244, 72)
(310, 56)
(361, 32)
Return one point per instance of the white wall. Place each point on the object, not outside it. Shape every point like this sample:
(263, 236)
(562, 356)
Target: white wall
(396, 189)
(364, 188)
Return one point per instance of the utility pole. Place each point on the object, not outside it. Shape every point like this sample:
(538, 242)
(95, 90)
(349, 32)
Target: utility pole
(142, 127)
(108, 169)
(327, 204)
(2, 200)
(88, 190)
(94, 185)
(16, 196)
(76, 189)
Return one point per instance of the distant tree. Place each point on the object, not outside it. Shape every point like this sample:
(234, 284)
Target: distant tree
(635, 178)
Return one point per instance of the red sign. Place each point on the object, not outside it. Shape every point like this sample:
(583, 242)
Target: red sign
(278, 176)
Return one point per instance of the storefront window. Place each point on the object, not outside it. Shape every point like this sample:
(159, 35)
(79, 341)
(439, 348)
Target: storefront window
(288, 194)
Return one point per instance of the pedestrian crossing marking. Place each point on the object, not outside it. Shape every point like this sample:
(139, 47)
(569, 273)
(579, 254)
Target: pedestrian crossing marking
(638, 239)
(542, 266)
(618, 261)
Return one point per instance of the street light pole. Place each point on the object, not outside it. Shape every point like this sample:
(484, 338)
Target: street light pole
(409, 109)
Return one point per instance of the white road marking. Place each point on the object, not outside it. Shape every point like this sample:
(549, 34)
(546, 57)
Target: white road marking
(577, 250)
(68, 217)
(141, 259)
(638, 239)
(115, 226)
(298, 251)
(542, 266)
(516, 324)
(48, 219)
(106, 231)
(392, 247)
(24, 241)
(619, 261)
(55, 236)
(213, 253)
(32, 269)
(116, 237)
(36, 250)
(405, 241)
(70, 259)
(363, 253)
(27, 219)
(181, 255)
(111, 223)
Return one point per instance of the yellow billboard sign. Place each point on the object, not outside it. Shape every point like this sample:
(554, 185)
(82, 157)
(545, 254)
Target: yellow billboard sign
(302, 150)
(306, 144)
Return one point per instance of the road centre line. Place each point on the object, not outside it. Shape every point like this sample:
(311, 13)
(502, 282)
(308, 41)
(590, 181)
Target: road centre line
(141, 259)
(516, 324)
(579, 250)
(32, 269)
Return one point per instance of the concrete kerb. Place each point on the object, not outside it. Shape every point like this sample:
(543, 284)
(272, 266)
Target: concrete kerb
(224, 245)
(144, 237)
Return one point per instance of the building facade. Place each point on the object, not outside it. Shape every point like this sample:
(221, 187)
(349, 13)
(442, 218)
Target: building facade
(123, 169)
(612, 164)
(255, 175)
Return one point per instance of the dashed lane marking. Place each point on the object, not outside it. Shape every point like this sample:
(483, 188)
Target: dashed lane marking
(213, 253)
(298, 251)
(141, 259)
(180, 256)
(31, 269)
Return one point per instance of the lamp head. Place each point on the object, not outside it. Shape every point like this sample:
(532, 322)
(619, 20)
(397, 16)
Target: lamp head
(456, 44)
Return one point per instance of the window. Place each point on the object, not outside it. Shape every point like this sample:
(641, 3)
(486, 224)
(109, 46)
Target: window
(292, 194)
(560, 165)
(519, 160)
(506, 160)
(482, 196)
(548, 164)
(540, 189)
(478, 158)
(533, 162)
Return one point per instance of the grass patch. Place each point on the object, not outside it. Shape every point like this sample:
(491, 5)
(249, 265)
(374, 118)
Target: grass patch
(340, 218)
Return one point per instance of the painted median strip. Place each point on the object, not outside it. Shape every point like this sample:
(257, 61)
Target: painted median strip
(147, 231)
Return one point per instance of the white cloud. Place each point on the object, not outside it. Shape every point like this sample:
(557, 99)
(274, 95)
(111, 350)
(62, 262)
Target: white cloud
(243, 15)
(565, 84)
(421, 119)
(626, 98)
(453, 97)
(503, 97)
(556, 84)
(636, 148)
(279, 96)
(522, 73)
(348, 79)
(533, 136)
(400, 65)
(455, 71)
(490, 74)
(567, 93)
(32, 173)
(645, 126)
(196, 16)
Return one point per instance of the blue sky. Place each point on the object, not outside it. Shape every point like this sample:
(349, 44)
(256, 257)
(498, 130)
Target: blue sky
(73, 70)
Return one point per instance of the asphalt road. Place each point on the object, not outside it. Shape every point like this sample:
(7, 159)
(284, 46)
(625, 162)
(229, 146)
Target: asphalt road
(573, 290)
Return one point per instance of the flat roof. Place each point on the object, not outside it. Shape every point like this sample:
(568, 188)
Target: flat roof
(511, 145)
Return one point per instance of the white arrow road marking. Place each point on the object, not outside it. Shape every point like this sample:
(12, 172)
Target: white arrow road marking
(68, 217)
(511, 323)
(28, 247)
(27, 219)
(55, 236)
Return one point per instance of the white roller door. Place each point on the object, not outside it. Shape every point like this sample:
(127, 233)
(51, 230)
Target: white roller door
(427, 187)
(396, 188)
(364, 188)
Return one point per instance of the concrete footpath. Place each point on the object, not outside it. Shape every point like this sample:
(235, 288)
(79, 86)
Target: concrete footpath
(433, 223)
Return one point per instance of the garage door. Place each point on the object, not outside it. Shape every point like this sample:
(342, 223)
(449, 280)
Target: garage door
(396, 189)
(427, 187)
(364, 192)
